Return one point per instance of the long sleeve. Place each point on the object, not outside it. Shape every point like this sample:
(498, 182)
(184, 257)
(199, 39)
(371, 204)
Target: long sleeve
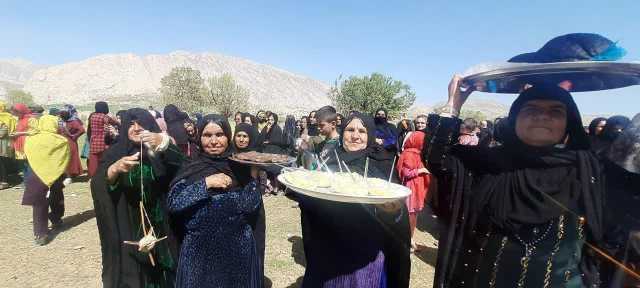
(183, 196)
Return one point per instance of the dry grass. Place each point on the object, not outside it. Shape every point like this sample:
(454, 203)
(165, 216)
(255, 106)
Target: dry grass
(72, 259)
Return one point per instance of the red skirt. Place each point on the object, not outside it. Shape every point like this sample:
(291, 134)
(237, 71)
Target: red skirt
(75, 165)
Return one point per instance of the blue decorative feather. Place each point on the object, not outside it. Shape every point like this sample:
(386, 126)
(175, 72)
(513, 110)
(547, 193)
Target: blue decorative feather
(613, 53)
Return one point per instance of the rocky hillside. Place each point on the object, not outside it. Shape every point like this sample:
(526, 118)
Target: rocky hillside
(129, 79)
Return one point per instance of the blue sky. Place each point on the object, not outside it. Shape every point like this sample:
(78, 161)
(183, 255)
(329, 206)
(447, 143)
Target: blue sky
(421, 43)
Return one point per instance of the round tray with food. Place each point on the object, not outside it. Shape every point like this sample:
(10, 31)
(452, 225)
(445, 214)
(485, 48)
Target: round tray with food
(342, 187)
(583, 75)
(262, 159)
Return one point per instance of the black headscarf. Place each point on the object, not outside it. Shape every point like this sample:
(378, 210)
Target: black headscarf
(203, 164)
(125, 147)
(380, 159)
(273, 135)
(251, 131)
(175, 120)
(578, 138)
(102, 107)
(625, 150)
(594, 124)
(517, 192)
(610, 131)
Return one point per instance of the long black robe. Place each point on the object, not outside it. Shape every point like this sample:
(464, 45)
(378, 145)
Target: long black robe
(117, 211)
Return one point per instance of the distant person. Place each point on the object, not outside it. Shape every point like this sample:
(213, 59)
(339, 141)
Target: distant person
(271, 136)
(405, 128)
(175, 127)
(420, 123)
(98, 135)
(467, 136)
(611, 130)
(485, 137)
(413, 174)
(386, 133)
(27, 125)
(262, 119)
(72, 129)
(48, 156)
(7, 127)
(328, 129)
(312, 124)
(596, 126)
(290, 134)
(237, 118)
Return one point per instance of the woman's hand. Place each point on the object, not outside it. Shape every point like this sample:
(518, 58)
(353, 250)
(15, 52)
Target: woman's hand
(457, 97)
(219, 180)
(379, 141)
(152, 140)
(123, 165)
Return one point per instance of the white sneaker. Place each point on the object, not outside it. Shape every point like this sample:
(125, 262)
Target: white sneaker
(67, 182)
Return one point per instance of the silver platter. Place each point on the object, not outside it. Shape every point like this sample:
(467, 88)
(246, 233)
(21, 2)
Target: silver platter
(585, 76)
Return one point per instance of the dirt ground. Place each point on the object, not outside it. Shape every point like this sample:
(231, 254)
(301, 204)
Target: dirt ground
(72, 258)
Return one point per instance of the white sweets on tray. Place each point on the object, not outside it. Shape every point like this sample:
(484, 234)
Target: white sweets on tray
(342, 186)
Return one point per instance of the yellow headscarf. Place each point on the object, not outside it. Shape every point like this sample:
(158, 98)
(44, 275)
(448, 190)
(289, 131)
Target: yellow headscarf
(47, 152)
(6, 118)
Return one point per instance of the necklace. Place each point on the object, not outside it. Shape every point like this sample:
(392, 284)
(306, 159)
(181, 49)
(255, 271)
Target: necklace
(529, 249)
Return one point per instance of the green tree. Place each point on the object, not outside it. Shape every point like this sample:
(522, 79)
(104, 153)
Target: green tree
(226, 96)
(477, 115)
(19, 96)
(368, 93)
(183, 87)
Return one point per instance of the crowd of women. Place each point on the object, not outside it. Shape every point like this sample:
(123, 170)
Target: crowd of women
(532, 200)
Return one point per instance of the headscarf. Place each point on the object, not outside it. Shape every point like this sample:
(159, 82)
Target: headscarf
(48, 152)
(625, 150)
(24, 113)
(379, 165)
(102, 107)
(594, 124)
(175, 120)
(202, 164)
(125, 147)
(411, 157)
(273, 134)
(6, 118)
(251, 131)
(518, 192)
(73, 113)
(610, 131)
(578, 139)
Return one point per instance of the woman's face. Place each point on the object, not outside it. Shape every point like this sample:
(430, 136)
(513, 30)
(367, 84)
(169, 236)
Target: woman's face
(421, 123)
(135, 132)
(355, 136)
(312, 118)
(542, 123)
(247, 120)
(303, 122)
(600, 127)
(271, 120)
(242, 140)
(213, 139)
(238, 118)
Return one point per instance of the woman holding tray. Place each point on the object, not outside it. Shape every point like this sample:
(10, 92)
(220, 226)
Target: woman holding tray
(212, 204)
(523, 214)
(356, 245)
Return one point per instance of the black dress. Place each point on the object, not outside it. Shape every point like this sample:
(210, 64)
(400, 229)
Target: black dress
(484, 198)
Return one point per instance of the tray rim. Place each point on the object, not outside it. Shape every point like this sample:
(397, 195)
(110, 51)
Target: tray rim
(345, 198)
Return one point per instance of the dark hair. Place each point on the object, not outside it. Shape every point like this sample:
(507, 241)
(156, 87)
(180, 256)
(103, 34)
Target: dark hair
(314, 114)
(326, 114)
(469, 124)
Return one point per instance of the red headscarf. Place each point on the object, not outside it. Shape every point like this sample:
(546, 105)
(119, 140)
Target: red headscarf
(24, 113)
(411, 159)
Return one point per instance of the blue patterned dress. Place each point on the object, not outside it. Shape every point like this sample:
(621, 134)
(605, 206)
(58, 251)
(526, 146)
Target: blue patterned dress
(218, 248)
